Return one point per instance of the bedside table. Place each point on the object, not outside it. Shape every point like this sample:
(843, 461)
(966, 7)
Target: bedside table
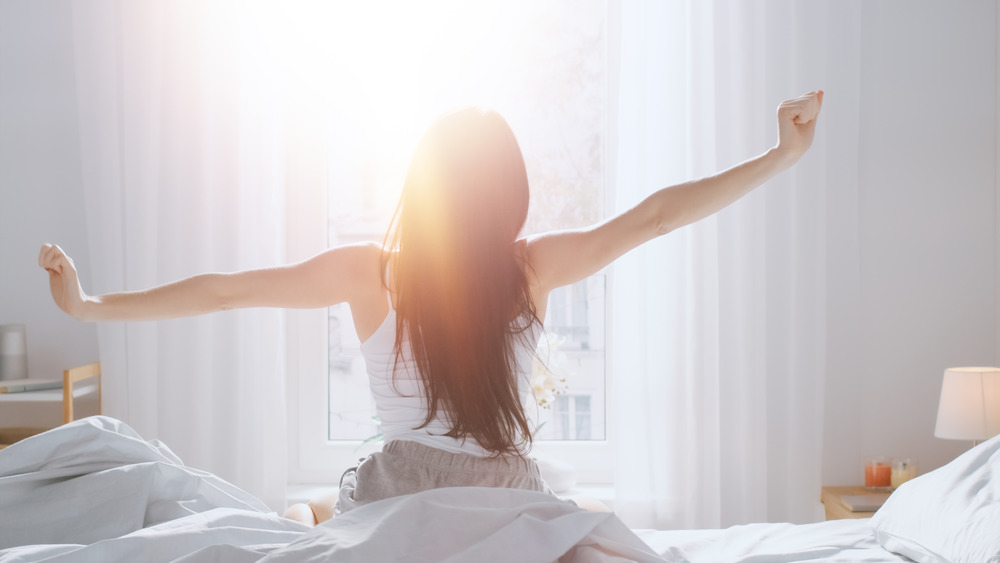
(837, 511)
(65, 396)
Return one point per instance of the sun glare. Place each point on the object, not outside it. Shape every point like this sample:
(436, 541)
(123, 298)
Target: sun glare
(375, 74)
(367, 78)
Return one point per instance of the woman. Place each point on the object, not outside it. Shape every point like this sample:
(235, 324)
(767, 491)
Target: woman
(448, 307)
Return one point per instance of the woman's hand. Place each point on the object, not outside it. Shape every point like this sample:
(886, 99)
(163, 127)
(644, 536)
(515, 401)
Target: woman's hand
(797, 124)
(63, 280)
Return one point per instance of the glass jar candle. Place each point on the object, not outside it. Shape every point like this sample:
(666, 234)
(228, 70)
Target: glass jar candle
(902, 471)
(878, 473)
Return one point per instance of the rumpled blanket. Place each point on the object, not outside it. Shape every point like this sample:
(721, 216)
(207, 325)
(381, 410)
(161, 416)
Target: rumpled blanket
(94, 490)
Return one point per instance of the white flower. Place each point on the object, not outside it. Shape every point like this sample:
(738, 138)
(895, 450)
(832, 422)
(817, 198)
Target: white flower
(548, 371)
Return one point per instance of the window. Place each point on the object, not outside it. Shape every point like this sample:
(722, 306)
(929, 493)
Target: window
(543, 67)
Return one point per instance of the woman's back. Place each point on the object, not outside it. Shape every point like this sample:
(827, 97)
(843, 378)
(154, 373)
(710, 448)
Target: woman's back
(400, 397)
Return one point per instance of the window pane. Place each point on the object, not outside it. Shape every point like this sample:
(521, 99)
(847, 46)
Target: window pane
(561, 419)
(581, 408)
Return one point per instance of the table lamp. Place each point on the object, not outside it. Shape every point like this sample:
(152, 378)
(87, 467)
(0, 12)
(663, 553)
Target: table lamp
(970, 404)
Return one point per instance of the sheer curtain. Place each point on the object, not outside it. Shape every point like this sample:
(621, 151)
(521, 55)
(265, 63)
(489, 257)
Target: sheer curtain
(196, 136)
(183, 146)
(720, 327)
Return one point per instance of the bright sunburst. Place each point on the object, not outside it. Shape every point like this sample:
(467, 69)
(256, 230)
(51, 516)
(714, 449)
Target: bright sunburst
(367, 78)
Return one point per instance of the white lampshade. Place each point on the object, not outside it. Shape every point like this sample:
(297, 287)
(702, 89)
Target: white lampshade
(970, 404)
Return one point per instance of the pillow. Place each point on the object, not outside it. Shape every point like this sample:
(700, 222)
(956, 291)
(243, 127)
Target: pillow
(949, 514)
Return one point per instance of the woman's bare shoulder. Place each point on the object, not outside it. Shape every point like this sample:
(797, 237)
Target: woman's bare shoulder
(349, 272)
(365, 261)
(359, 256)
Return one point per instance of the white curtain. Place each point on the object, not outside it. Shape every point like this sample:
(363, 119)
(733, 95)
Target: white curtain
(720, 327)
(183, 149)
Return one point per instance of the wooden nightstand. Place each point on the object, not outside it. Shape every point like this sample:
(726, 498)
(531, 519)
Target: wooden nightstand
(67, 395)
(837, 511)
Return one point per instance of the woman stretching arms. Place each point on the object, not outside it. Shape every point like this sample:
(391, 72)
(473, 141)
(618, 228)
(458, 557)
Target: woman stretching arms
(448, 308)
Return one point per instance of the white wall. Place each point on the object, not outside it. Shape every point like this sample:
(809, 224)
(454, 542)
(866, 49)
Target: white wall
(913, 290)
(41, 197)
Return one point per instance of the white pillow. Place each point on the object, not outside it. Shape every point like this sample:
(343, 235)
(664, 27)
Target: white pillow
(949, 514)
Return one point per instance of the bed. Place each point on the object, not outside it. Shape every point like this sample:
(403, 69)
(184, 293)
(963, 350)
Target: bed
(93, 490)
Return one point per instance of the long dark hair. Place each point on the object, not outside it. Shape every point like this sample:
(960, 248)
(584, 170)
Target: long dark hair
(461, 285)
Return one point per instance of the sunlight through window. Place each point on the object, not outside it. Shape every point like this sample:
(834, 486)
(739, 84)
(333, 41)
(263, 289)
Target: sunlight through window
(361, 81)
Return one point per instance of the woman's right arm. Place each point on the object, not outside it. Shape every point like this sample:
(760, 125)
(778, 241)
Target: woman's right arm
(335, 276)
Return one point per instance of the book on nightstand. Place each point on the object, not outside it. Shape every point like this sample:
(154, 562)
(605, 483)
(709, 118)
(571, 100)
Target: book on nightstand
(863, 503)
(21, 385)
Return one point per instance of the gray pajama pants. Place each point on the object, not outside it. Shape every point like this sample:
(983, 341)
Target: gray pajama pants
(404, 467)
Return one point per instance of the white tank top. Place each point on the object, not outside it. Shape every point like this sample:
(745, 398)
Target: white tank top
(400, 399)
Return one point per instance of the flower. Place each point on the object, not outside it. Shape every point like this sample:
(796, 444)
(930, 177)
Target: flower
(548, 370)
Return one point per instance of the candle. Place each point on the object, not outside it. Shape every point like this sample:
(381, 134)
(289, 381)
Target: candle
(878, 473)
(902, 471)
(13, 352)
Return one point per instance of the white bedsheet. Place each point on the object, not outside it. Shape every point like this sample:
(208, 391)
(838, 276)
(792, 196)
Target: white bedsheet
(95, 491)
(836, 540)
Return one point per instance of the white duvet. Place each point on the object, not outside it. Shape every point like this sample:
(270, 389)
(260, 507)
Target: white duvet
(94, 490)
